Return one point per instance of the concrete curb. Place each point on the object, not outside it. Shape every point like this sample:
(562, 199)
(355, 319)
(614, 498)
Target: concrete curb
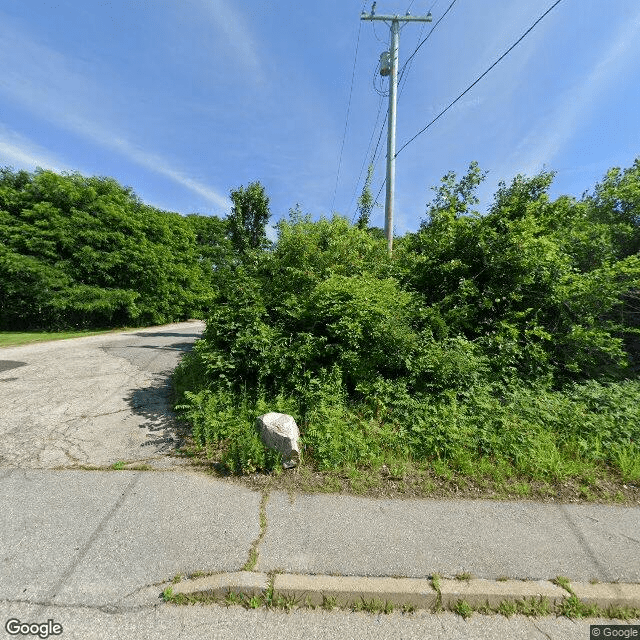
(345, 591)
(478, 592)
(218, 585)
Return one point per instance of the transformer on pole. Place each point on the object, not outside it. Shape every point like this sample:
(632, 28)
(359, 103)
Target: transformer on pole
(389, 67)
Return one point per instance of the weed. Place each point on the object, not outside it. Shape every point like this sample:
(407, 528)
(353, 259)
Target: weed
(563, 582)
(463, 576)
(167, 594)
(572, 607)
(267, 594)
(232, 598)
(507, 608)
(521, 488)
(177, 578)
(329, 602)
(622, 613)
(118, 466)
(373, 606)
(534, 606)
(252, 560)
(286, 602)
(463, 608)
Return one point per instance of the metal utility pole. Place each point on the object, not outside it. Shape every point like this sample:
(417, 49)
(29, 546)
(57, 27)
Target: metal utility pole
(389, 66)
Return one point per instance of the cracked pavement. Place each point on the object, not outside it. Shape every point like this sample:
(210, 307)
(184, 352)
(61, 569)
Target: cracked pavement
(93, 550)
(92, 401)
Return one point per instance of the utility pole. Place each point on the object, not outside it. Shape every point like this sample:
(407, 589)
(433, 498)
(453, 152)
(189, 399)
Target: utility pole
(389, 66)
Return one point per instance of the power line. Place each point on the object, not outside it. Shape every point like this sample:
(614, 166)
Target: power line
(366, 154)
(473, 84)
(346, 122)
(402, 74)
(408, 60)
(513, 46)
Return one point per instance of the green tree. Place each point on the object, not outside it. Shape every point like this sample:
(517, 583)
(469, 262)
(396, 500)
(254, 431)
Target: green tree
(365, 201)
(248, 218)
(80, 251)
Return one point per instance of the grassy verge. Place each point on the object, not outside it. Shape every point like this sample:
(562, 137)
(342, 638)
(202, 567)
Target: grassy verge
(576, 445)
(427, 479)
(17, 338)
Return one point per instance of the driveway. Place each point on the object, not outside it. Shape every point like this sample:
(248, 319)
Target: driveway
(92, 401)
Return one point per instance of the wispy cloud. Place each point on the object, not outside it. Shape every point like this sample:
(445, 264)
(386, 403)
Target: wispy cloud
(159, 165)
(543, 144)
(233, 25)
(15, 149)
(59, 90)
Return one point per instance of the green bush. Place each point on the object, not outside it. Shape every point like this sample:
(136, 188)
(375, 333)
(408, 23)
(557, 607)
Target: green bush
(495, 343)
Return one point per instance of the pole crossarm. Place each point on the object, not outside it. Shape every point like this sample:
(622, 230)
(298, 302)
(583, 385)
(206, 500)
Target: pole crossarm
(399, 18)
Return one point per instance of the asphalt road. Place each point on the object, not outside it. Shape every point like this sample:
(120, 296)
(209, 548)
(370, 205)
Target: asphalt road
(93, 549)
(92, 401)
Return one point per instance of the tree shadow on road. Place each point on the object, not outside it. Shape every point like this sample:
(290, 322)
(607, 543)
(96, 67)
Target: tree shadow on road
(153, 403)
(170, 334)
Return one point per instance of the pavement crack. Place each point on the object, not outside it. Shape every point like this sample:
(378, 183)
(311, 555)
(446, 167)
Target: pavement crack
(629, 538)
(84, 549)
(85, 416)
(604, 572)
(252, 560)
(544, 633)
(142, 588)
(104, 608)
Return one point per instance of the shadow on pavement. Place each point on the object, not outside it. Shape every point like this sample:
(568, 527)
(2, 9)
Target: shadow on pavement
(169, 334)
(7, 365)
(176, 346)
(153, 404)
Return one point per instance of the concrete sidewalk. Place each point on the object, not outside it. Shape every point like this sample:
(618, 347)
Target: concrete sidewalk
(94, 550)
(114, 539)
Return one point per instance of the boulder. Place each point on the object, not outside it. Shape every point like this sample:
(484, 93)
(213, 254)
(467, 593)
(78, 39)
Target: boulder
(279, 431)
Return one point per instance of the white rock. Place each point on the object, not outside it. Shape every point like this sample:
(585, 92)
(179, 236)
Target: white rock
(279, 431)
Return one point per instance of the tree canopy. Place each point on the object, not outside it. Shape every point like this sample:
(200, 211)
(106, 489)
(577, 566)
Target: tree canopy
(79, 252)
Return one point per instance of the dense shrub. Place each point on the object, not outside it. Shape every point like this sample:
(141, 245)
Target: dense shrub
(507, 339)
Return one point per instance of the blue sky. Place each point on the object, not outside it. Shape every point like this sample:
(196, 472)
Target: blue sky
(185, 100)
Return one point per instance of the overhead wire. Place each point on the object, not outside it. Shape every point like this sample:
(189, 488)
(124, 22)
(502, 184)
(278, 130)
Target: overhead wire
(407, 64)
(366, 155)
(403, 74)
(382, 93)
(346, 122)
(473, 84)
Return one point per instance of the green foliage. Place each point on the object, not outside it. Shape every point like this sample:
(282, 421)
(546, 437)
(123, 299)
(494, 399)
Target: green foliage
(365, 201)
(505, 342)
(248, 218)
(83, 252)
